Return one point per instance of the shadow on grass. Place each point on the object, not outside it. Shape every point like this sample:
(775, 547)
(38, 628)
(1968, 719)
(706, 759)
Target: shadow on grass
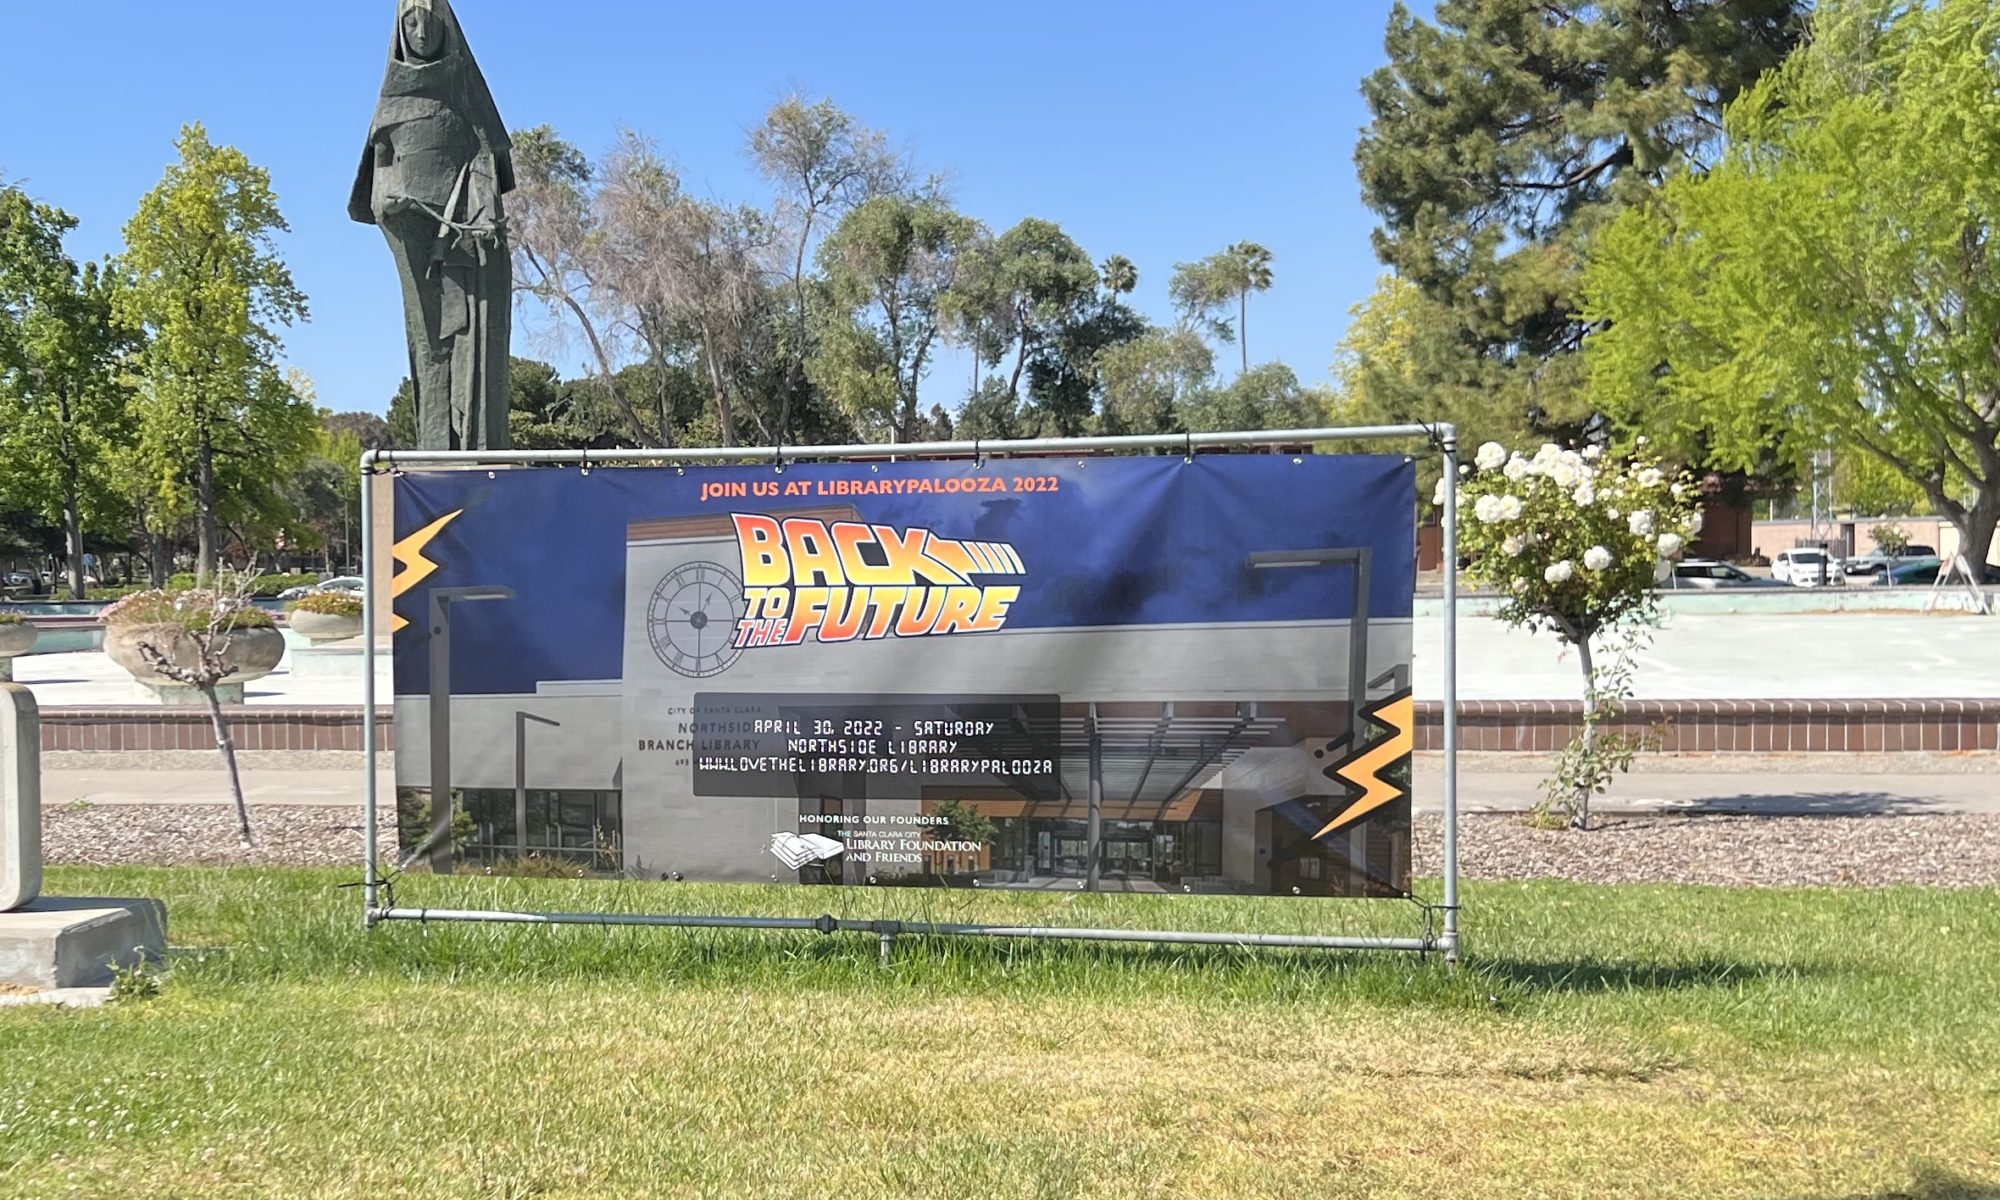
(1591, 977)
(1931, 1183)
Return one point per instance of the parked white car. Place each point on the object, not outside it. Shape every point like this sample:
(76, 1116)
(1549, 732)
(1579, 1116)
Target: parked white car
(1807, 568)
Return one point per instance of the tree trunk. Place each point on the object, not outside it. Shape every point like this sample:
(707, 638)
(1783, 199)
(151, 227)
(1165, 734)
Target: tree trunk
(227, 745)
(1582, 818)
(1020, 364)
(1976, 528)
(205, 522)
(725, 413)
(1243, 326)
(159, 562)
(73, 538)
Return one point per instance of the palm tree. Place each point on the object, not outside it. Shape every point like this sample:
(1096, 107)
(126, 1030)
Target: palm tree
(1121, 277)
(1249, 267)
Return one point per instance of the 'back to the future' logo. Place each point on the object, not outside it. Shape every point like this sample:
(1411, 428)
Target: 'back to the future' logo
(848, 581)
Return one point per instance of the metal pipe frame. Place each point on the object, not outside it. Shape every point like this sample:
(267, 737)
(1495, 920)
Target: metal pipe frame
(894, 929)
(1444, 436)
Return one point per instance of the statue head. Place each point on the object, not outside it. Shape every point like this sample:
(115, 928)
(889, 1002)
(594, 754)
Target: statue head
(420, 30)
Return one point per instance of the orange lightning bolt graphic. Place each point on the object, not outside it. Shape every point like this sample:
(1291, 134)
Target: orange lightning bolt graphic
(409, 553)
(1364, 769)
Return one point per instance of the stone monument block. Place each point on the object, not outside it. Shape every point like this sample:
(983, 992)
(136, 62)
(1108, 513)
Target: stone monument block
(20, 798)
(45, 942)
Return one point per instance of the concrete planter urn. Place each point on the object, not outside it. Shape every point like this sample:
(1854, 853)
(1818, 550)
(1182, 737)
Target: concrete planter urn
(250, 654)
(320, 628)
(16, 639)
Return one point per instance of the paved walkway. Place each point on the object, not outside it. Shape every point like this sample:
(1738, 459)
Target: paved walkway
(1756, 788)
(1804, 656)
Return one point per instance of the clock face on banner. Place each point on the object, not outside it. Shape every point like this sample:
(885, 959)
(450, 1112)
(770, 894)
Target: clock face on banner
(692, 618)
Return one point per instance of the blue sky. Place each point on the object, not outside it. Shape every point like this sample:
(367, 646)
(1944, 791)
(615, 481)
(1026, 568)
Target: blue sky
(1162, 131)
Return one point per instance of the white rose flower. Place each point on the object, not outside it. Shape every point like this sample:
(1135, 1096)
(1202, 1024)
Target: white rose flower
(1487, 509)
(1565, 475)
(1651, 477)
(1586, 494)
(1641, 524)
(1670, 544)
(1611, 512)
(1597, 558)
(1437, 494)
(1695, 522)
(1510, 508)
(1663, 570)
(1559, 572)
(1518, 468)
(1491, 457)
(1593, 452)
(1514, 545)
(1463, 470)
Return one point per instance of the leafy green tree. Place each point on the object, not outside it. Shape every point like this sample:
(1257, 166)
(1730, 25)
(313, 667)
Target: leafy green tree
(63, 405)
(1504, 132)
(369, 430)
(1866, 486)
(1202, 290)
(1266, 397)
(824, 163)
(1121, 276)
(889, 266)
(1833, 275)
(1019, 292)
(218, 421)
(1148, 383)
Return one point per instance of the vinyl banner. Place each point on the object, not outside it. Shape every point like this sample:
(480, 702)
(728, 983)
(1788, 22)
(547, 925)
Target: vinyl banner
(1119, 674)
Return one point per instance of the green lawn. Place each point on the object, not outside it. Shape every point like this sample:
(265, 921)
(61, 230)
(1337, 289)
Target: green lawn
(1630, 1041)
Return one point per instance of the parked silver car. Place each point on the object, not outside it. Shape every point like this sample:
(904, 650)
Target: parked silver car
(343, 583)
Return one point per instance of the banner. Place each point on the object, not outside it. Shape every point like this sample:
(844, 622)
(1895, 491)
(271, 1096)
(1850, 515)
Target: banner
(1117, 674)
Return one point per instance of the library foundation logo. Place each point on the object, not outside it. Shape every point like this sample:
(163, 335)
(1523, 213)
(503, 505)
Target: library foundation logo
(798, 850)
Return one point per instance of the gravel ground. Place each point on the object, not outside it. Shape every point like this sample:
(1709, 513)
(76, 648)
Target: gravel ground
(1752, 851)
(1870, 851)
(204, 835)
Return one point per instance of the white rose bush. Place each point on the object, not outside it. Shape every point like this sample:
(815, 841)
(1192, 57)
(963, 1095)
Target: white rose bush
(1574, 543)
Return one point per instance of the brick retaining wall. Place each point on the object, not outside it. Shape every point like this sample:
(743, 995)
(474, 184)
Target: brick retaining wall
(1730, 726)
(1683, 726)
(163, 727)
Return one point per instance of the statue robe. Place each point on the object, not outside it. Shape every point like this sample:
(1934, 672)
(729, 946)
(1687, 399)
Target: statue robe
(437, 162)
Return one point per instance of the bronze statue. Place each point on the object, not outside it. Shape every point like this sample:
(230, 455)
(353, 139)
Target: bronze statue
(437, 163)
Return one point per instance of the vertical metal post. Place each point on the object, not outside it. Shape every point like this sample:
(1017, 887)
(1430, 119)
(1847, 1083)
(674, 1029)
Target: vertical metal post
(1093, 836)
(370, 828)
(521, 720)
(1449, 941)
(521, 785)
(442, 850)
(1357, 645)
(442, 858)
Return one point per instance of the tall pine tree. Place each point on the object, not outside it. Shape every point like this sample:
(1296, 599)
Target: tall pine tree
(1504, 133)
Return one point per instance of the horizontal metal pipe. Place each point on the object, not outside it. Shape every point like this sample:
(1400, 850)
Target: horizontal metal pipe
(830, 924)
(775, 454)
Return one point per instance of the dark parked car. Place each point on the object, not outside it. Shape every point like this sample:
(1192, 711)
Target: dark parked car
(1876, 562)
(1924, 573)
